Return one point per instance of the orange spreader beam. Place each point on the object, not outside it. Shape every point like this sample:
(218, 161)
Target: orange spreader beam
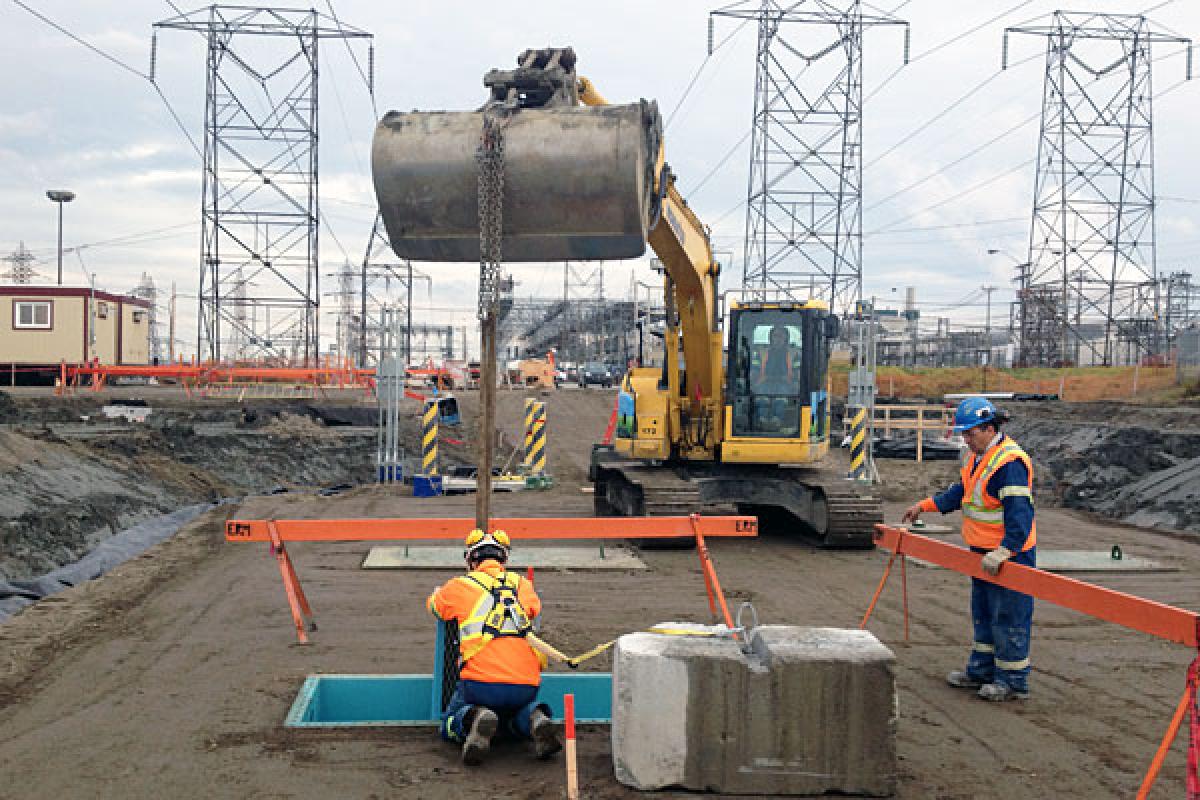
(279, 532)
(1157, 619)
(456, 528)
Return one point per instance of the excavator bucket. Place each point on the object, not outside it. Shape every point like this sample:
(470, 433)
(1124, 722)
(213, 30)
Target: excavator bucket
(577, 179)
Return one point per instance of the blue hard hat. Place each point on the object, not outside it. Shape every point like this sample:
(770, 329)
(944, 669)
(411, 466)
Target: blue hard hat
(973, 411)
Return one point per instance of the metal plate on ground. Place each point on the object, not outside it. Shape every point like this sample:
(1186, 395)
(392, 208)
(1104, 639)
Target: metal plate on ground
(451, 557)
(935, 528)
(1096, 561)
(453, 485)
(1085, 561)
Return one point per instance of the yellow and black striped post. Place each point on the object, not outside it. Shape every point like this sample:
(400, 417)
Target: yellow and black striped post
(429, 440)
(858, 444)
(530, 403)
(537, 442)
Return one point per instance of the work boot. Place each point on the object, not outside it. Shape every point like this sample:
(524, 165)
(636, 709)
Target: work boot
(480, 724)
(999, 692)
(545, 738)
(963, 680)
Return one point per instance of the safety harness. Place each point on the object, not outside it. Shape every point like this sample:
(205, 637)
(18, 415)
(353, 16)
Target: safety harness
(497, 613)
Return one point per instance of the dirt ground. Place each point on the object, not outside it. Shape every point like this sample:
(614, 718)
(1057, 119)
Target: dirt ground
(171, 676)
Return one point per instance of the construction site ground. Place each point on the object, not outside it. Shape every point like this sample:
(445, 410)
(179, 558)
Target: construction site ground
(171, 675)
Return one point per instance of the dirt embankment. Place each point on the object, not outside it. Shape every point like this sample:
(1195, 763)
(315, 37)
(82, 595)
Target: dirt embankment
(1137, 465)
(67, 483)
(70, 477)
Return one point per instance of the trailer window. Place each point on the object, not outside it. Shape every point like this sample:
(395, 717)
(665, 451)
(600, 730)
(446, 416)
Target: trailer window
(32, 315)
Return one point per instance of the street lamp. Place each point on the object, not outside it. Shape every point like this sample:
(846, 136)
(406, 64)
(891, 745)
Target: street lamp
(60, 196)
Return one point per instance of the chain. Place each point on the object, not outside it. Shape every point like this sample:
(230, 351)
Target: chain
(490, 157)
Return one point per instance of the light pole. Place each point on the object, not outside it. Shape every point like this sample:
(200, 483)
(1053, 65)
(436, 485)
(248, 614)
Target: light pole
(60, 196)
(1022, 279)
(987, 334)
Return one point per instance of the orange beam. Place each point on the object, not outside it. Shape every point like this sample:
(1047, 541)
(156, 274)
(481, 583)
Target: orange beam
(1157, 619)
(358, 530)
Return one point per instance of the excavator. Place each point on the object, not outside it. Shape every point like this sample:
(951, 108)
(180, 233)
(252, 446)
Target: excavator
(739, 420)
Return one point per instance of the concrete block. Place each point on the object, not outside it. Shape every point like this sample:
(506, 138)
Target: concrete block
(800, 711)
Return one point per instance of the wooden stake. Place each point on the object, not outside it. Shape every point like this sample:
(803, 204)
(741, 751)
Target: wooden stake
(572, 768)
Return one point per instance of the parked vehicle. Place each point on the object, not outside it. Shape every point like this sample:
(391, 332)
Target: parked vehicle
(595, 373)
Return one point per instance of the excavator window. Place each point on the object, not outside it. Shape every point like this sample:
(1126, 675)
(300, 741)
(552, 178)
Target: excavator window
(772, 371)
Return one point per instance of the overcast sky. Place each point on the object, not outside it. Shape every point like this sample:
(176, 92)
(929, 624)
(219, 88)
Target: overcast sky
(70, 118)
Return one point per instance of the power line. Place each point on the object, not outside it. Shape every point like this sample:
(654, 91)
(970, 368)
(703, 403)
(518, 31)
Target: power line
(118, 62)
(943, 169)
(939, 115)
(700, 69)
(123, 238)
(944, 44)
(83, 42)
(716, 167)
(972, 188)
(987, 181)
(367, 80)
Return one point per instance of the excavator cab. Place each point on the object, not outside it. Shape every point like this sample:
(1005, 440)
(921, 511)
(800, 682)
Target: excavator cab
(777, 372)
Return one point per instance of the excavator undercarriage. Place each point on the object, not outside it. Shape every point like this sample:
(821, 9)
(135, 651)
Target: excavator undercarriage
(824, 507)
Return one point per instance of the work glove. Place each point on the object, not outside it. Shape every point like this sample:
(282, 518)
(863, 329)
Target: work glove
(911, 514)
(992, 561)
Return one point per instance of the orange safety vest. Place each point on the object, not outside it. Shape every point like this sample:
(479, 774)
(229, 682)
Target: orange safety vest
(493, 648)
(762, 367)
(983, 514)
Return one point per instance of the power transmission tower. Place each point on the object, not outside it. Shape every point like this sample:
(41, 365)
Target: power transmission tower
(21, 269)
(1183, 302)
(383, 282)
(1090, 284)
(583, 299)
(260, 205)
(804, 196)
(147, 291)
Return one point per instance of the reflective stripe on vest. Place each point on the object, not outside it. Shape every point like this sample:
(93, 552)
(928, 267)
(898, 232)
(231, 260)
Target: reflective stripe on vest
(983, 515)
(498, 612)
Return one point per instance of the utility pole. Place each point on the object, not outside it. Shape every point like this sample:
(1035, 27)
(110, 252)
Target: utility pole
(987, 334)
(171, 326)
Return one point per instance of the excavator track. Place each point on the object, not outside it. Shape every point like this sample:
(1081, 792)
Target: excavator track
(853, 511)
(838, 513)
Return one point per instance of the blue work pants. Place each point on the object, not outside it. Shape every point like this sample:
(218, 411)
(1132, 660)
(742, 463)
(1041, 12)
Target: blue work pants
(514, 703)
(1003, 621)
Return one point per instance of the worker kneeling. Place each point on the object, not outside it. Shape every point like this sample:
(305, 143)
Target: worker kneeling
(499, 671)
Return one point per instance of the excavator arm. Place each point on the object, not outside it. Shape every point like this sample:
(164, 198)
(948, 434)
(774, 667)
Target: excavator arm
(682, 244)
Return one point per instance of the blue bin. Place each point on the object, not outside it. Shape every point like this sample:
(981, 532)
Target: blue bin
(427, 485)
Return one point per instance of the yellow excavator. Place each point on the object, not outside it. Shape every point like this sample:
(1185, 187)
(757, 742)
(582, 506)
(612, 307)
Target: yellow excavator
(729, 420)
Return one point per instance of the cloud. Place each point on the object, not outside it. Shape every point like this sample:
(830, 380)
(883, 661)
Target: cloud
(71, 118)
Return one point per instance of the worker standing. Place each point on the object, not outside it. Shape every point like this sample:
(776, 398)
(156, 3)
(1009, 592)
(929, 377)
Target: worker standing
(499, 671)
(995, 493)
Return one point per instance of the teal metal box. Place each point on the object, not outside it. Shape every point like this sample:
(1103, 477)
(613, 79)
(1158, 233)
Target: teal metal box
(336, 701)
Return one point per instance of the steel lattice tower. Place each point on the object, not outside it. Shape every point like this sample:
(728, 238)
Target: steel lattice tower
(1089, 291)
(383, 282)
(146, 290)
(260, 209)
(21, 271)
(804, 197)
